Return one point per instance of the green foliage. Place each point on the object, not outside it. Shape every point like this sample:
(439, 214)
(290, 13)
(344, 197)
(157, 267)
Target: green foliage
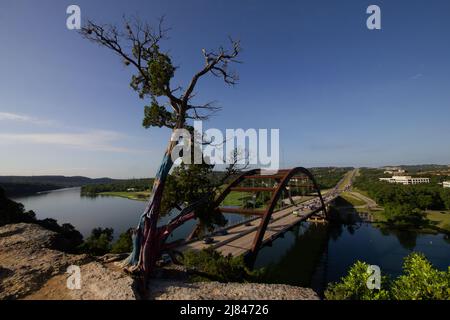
(420, 280)
(422, 196)
(154, 81)
(157, 116)
(327, 178)
(157, 74)
(13, 212)
(20, 189)
(68, 231)
(445, 196)
(117, 186)
(404, 214)
(161, 70)
(99, 242)
(25, 185)
(211, 265)
(405, 204)
(124, 244)
(346, 199)
(190, 183)
(354, 286)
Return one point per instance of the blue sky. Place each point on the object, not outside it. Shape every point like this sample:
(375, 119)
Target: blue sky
(339, 93)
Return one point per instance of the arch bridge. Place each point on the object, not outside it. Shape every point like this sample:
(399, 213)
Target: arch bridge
(272, 204)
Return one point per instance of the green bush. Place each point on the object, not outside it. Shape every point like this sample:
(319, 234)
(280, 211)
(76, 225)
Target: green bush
(124, 244)
(354, 286)
(13, 212)
(99, 242)
(405, 214)
(419, 281)
(117, 186)
(209, 264)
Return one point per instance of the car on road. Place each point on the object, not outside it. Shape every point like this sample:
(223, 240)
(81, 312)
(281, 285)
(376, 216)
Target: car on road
(208, 240)
(222, 232)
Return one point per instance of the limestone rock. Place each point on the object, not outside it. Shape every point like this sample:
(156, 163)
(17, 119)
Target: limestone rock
(27, 259)
(177, 290)
(31, 267)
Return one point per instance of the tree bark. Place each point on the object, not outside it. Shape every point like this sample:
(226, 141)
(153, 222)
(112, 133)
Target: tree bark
(146, 245)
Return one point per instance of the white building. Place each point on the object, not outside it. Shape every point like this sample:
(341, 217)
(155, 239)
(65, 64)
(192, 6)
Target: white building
(394, 172)
(446, 184)
(406, 180)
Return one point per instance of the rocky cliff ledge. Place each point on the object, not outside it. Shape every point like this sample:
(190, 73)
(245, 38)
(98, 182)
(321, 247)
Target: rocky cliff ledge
(32, 267)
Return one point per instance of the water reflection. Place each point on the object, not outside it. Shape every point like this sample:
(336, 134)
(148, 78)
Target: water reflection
(88, 212)
(313, 255)
(294, 259)
(407, 239)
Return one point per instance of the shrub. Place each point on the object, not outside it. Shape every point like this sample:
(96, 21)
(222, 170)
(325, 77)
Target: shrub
(72, 236)
(99, 242)
(13, 212)
(419, 281)
(209, 264)
(405, 214)
(124, 244)
(354, 286)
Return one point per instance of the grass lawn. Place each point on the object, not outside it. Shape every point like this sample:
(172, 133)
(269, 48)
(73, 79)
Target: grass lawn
(442, 220)
(139, 195)
(364, 193)
(378, 216)
(346, 180)
(236, 198)
(437, 218)
(352, 199)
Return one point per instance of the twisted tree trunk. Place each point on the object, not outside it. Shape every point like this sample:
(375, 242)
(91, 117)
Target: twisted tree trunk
(146, 242)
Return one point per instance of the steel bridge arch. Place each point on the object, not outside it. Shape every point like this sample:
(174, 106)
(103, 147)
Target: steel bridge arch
(284, 176)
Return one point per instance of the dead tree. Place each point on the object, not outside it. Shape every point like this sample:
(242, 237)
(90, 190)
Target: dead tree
(138, 45)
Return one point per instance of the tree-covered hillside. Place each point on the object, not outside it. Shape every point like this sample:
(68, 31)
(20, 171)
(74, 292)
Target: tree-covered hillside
(26, 185)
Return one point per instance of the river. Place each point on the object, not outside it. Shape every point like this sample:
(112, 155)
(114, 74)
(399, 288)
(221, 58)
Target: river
(309, 255)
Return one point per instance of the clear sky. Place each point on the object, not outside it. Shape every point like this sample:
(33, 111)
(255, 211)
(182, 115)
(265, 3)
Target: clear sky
(339, 93)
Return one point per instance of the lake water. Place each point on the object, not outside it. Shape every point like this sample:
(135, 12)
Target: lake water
(309, 255)
(313, 255)
(86, 213)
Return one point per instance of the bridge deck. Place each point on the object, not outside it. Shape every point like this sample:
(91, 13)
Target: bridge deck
(239, 238)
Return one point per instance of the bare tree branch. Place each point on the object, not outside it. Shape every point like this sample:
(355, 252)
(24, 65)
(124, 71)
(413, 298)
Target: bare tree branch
(215, 62)
(136, 43)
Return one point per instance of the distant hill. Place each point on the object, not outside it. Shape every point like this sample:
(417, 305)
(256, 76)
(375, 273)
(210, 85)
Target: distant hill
(62, 181)
(425, 167)
(421, 167)
(25, 185)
